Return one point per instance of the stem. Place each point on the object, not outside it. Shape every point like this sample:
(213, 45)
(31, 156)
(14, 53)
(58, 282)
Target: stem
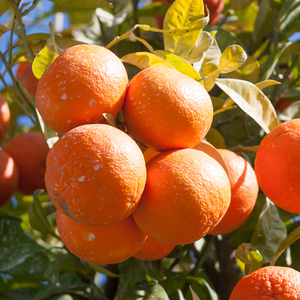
(11, 40)
(241, 148)
(22, 27)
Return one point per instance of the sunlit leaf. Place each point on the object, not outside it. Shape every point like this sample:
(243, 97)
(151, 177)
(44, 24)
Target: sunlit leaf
(42, 61)
(289, 16)
(251, 100)
(188, 13)
(179, 64)
(4, 6)
(215, 138)
(232, 58)
(83, 4)
(204, 41)
(270, 231)
(144, 60)
(194, 295)
(109, 19)
(109, 119)
(249, 258)
(217, 102)
(206, 289)
(240, 4)
(290, 239)
(264, 84)
(3, 29)
(292, 111)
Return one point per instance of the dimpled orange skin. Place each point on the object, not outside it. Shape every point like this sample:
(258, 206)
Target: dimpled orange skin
(277, 165)
(82, 83)
(268, 283)
(9, 177)
(29, 151)
(96, 174)
(4, 118)
(25, 75)
(101, 245)
(153, 250)
(166, 110)
(244, 191)
(186, 195)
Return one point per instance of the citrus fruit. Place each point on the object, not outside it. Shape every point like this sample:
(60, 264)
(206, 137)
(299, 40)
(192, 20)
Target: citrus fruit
(25, 75)
(153, 250)
(96, 174)
(166, 109)
(186, 194)
(268, 283)
(101, 245)
(277, 165)
(29, 151)
(82, 83)
(244, 191)
(4, 118)
(215, 8)
(282, 104)
(9, 176)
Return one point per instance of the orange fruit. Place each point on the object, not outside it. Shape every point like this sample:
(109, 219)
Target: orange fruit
(186, 194)
(96, 174)
(101, 245)
(244, 191)
(215, 8)
(282, 104)
(4, 118)
(29, 151)
(268, 283)
(9, 177)
(153, 250)
(277, 165)
(25, 75)
(166, 110)
(82, 83)
(211, 151)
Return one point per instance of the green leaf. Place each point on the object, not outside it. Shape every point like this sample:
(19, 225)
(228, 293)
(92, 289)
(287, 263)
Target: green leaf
(144, 60)
(194, 295)
(262, 21)
(289, 240)
(264, 84)
(22, 293)
(37, 217)
(202, 44)
(42, 61)
(187, 14)
(232, 58)
(248, 258)
(215, 138)
(180, 64)
(3, 29)
(4, 6)
(83, 4)
(240, 4)
(109, 19)
(156, 9)
(270, 231)
(289, 17)
(251, 100)
(16, 245)
(292, 111)
(31, 7)
(102, 270)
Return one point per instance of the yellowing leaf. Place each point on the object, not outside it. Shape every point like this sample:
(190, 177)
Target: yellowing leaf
(232, 58)
(204, 41)
(45, 57)
(144, 60)
(182, 14)
(215, 138)
(180, 64)
(251, 100)
(3, 29)
(264, 84)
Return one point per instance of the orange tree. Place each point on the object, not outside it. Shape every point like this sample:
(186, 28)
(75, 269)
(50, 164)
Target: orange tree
(247, 63)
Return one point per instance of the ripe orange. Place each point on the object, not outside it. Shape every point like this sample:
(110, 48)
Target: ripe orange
(25, 75)
(277, 165)
(166, 110)
(153, 250)
(215, 8)
(4, 118)
(96, 174)
(268, 283)
(282, 104)
(101, 245)
(9, 177)
(244, 191)
(82, 83)
(29, 151)
(187, 193)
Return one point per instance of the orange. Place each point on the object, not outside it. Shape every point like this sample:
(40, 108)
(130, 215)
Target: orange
(9, 176)
(166, 109)
(215, 8)
(187, 193)
(282, 104)
(29, 151)
(82, 83)
(244, 191)
(4, 118)
(25, 75)
(96, 174)
(268, 283)
(153, 250)
(101, 245)
(277, 165)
